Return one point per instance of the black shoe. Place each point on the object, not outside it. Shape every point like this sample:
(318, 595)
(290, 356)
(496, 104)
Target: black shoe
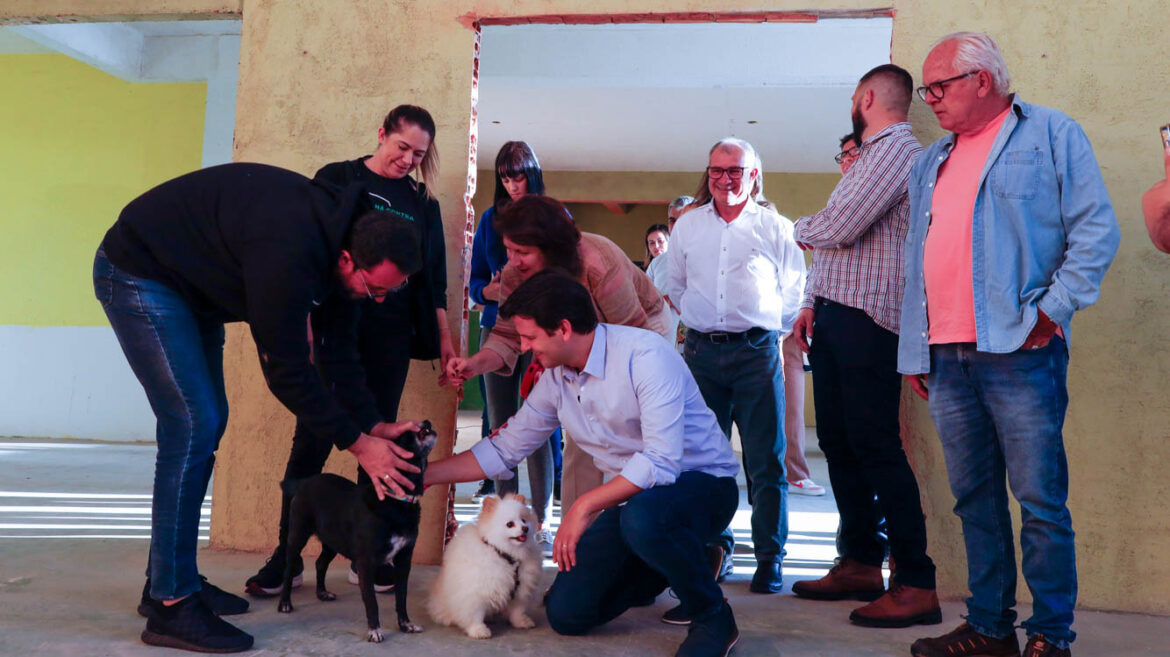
(710, 636)
(267, 582)
(486, 487)
(190, 625)
(768, 578)
(383, 577)
(219, 601)
(676, 616)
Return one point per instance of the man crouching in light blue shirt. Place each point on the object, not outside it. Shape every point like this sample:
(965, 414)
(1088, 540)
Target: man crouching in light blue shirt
(630, 402)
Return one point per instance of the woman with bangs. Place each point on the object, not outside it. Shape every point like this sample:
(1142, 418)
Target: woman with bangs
(409, 323)
(518, 173)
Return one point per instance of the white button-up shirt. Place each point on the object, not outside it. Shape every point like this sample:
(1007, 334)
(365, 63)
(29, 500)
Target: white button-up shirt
(738, 275)
(635, 409)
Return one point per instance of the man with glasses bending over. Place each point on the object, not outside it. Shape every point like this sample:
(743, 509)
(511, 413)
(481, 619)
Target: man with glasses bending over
(1011, 232)
(266, 246)
(854, 296)
(737, 275)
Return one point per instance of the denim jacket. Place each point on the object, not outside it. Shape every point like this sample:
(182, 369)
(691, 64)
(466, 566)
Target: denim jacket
(1043, 233)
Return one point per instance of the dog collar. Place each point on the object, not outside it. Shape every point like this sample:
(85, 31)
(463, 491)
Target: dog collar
(512, 562)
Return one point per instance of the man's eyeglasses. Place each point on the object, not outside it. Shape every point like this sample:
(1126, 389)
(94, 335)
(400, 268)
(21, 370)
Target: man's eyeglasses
(735, 173)
(937, 89)
(847, 154)
(381, 295)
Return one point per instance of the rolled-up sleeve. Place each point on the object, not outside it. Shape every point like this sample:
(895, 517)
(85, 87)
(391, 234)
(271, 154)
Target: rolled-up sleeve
(522, 435)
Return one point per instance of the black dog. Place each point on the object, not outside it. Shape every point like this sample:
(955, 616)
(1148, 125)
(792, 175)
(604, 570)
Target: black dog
(349, 520)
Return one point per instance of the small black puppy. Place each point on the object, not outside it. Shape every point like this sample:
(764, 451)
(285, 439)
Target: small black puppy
(349, 520)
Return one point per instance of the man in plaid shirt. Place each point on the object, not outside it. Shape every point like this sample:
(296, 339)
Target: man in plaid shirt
(853, 301)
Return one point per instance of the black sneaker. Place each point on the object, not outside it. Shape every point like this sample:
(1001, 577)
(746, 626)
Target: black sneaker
(486, 487)
(711, 636)
(676, 616)
(219, 601)
(266, 583)
(383, 577)
(190, 625)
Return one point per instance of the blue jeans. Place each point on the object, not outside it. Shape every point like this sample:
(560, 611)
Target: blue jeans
(632, 552)
(178, 357)
(999, 417)
(742, 382)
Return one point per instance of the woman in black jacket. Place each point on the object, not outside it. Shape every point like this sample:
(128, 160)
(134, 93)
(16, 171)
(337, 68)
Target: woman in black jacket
(409, 324)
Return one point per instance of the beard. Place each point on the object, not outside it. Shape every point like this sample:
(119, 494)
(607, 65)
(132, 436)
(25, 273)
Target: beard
(859, 124)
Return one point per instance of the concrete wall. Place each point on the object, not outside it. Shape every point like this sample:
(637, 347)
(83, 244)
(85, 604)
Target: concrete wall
(315, 76)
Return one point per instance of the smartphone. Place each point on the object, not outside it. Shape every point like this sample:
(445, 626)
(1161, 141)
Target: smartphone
(1166, 136)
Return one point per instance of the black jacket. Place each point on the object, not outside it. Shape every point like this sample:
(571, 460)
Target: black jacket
(255, 243)
(427, 290)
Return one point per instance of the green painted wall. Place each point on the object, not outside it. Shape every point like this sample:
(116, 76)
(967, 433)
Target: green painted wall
(78, 144)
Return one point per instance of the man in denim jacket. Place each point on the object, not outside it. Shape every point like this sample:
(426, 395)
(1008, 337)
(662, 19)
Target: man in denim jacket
(1011, 231)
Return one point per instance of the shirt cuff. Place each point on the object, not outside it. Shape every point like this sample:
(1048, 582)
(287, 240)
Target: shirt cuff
(490, 461)
(641, 472)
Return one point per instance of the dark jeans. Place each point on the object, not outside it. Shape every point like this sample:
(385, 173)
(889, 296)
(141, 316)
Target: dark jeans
(1000, 418)
(857, 391)
(742, 382)
(178, 358)
(385, 354)
(632, 552)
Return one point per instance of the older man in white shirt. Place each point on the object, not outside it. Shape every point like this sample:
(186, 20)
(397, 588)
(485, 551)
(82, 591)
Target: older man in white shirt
(737, 275)
(630, 402)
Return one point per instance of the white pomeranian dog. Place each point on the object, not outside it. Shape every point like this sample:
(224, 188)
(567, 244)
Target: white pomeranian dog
(492, 566)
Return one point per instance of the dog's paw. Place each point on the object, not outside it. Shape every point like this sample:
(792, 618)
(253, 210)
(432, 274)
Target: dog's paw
(375, 635)
(284, 606)
(522, 621)
(325, 596)
(479, 631)
(410, 628)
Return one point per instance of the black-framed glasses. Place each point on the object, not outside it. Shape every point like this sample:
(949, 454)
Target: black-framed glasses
(381, 295)
(735, 173)
(938, 89)
(851, 153)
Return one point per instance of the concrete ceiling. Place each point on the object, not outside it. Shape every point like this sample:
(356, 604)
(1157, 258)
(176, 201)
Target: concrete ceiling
(655, 97)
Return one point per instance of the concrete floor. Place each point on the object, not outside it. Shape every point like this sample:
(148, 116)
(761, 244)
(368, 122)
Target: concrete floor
(74, 527)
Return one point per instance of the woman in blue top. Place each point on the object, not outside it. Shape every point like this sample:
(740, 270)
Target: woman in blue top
(517, 173)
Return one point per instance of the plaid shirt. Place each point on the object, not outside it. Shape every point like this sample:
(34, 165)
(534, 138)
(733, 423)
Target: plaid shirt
(859, 237)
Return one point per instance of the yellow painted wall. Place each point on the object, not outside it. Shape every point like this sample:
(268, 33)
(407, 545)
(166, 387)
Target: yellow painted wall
(77, 145)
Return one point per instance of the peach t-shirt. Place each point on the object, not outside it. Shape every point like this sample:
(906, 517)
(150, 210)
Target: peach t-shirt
(946, 261)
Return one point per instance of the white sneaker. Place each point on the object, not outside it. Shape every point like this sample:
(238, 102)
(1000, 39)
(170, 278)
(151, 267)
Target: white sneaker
(806, 487)
(544, 538)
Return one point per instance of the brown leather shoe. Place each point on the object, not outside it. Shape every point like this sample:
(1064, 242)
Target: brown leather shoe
(1038, 646)
(901, 606)
(964, 641)
(848, 580)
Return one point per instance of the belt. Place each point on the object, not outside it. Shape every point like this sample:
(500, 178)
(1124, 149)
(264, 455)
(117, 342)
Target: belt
(720, 337)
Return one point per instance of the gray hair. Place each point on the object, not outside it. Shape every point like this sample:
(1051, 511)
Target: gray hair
(680, 203)
(977, 51)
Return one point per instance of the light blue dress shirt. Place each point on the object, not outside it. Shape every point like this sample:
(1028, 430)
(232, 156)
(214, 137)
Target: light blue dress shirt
(635, 409)
(1043, 233)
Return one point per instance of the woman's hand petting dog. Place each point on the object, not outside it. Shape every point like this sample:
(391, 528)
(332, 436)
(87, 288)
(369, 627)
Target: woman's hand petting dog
(384, 461)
